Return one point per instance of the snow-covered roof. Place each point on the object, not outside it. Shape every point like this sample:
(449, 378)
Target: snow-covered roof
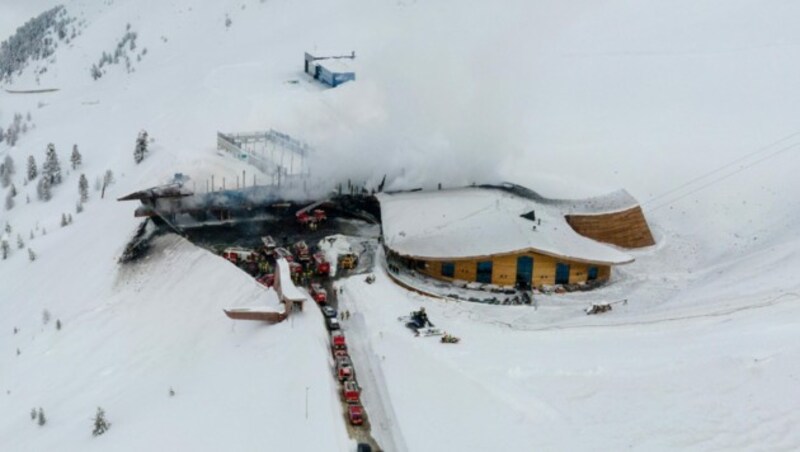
(473, 222)
(161, 191)
(287, 289)
(337, 64)
(615, 201)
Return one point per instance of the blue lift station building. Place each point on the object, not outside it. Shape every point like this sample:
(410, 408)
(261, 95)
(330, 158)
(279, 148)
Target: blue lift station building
(331, 70)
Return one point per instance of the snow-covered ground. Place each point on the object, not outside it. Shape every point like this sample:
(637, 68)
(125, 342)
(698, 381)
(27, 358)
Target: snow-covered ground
(573, 99)
(700, 377)
(154, 325)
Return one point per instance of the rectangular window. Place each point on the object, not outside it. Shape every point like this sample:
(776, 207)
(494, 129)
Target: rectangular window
(448, 269)
(592, 273)
(484, 272)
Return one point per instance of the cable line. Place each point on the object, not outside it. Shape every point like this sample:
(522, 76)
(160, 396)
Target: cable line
(715, 181)
(721, 168)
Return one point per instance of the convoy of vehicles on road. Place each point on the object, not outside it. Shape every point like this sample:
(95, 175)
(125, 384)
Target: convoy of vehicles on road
(310, 268)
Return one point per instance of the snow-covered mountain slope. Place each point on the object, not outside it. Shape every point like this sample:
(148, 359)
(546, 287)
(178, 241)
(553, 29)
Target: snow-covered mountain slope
(129, 336)
(569, 99)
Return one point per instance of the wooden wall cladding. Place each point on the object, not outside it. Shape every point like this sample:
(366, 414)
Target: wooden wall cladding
(628, 228)
(504, 269)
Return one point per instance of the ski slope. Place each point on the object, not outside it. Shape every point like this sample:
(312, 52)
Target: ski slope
(571, 99)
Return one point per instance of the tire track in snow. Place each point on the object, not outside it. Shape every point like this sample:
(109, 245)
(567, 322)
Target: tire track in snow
(721, 313)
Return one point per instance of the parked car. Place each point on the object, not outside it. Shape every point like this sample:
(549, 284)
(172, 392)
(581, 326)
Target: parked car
(332, 323)
(328, 311)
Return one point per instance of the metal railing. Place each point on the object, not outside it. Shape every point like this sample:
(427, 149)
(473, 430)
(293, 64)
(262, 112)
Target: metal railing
(275, 153)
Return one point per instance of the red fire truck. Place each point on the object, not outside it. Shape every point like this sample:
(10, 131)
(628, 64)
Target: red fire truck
(237, 255)
(355, 413)
(338, 342)
(318, 293)
(344, 369)
(322, 267)
(320, 215)
(351, 392)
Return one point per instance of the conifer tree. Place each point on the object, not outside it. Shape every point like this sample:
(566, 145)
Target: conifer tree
(108, 179)
(141, 147)
(4, 248)
(6, 171)
(31, 255)
(9, 201)
(63, 220)
(41, 420)
(9, 164)
(96, 72)
(75, 158)
(83, 188)
(33, 171)
(43, 188)
(101, 425)
(20, 243)
(52, 168)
